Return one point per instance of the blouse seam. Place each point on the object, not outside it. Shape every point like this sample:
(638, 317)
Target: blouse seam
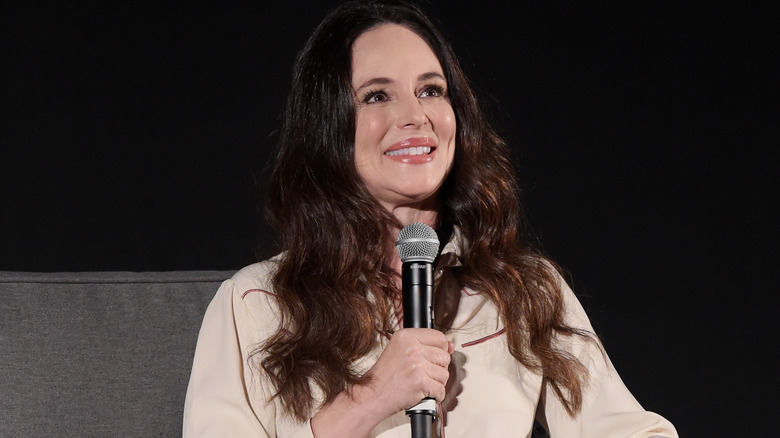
(254, 290)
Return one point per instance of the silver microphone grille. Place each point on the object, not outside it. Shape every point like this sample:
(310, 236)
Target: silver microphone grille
(417, 242)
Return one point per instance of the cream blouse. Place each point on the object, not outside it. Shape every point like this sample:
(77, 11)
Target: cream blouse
(489, 393)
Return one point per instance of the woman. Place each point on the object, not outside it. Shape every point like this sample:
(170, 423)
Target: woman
(381, 130)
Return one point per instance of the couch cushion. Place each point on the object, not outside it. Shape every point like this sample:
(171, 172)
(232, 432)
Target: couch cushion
(98, 354)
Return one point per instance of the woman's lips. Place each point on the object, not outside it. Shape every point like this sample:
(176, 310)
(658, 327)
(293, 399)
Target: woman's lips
(416, 150)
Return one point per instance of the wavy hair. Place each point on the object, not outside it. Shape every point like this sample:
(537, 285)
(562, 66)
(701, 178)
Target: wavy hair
(333, 284)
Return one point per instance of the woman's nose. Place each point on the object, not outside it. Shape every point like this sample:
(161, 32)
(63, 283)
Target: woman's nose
(411, 113)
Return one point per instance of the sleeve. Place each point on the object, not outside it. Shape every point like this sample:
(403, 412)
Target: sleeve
(225, 397)
(608, 408)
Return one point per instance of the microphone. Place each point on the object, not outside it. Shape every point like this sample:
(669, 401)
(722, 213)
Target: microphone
(418, 245)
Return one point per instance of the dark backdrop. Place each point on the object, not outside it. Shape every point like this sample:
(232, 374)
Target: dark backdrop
(135, 137)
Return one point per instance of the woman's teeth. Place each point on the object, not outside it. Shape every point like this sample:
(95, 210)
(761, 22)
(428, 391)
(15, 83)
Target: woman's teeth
(421, 150)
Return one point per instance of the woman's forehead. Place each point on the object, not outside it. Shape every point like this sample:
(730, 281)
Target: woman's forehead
(391, 49)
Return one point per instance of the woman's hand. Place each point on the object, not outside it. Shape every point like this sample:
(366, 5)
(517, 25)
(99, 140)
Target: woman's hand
(412, 366)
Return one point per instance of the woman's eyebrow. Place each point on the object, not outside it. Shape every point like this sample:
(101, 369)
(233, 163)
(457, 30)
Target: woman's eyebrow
(431, 75)
(384, 80)
(374, 81)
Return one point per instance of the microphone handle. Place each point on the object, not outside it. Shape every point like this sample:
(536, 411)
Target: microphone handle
(422, 424)
(417, 287)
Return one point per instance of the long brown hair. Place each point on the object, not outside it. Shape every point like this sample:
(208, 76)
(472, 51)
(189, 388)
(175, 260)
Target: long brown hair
(333, 284)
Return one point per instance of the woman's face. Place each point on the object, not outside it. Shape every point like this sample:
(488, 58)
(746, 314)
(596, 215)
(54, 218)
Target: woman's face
(405, 125)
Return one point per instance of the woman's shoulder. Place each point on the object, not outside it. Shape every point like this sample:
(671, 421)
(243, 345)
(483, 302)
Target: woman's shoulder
(250, 291)
(248, 298)
(551, 278)
(255, 277)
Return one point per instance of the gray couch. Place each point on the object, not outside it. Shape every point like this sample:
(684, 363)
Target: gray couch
(98, 354)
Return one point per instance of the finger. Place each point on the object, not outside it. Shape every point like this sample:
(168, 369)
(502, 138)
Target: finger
(439, 374)
(431, 384)
(436, 390)
(423, 374)
(437, 357)
(432, 338)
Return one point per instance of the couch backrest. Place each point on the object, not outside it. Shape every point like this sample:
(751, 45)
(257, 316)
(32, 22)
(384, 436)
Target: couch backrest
(98, 354)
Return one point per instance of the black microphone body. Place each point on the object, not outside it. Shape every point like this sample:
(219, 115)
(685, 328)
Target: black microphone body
(417, 288)
(418, 246)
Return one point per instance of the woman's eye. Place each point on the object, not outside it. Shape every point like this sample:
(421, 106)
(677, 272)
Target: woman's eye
(375, 97)
(432, 91)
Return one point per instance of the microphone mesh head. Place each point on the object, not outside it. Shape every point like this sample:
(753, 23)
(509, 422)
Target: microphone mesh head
(417, 242)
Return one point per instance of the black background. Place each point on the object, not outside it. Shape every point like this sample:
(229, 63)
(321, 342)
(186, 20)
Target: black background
(136, 137)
